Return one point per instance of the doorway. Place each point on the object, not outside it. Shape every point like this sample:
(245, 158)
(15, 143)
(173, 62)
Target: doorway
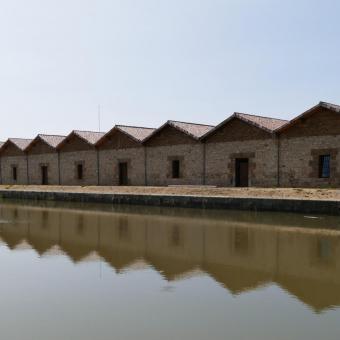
(44, 175)
(242, 172)
(123, 173)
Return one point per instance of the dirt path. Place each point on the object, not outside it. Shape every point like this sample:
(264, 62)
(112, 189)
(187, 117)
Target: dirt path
(310, 194)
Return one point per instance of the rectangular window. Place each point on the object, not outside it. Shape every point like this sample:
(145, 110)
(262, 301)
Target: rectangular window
(324, 166)
(14, 173)
(175, 169)
(80, 171)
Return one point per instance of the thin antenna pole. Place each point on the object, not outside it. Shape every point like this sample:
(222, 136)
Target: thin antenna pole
(99, 118)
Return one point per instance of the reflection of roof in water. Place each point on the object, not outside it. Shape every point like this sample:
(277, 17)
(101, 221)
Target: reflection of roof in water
(119, 259)
(237, 280)
(41, 245)
(296, 260)
(318, 294)
(171, 269)
(77, 252)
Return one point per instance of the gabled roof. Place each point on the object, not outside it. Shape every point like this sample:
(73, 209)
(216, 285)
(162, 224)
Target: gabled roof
(193, 130)
(268, 124)
(329, 106)
(138, 133)
(90, 137)
(51, 140)
(135, 132)
(20, 143)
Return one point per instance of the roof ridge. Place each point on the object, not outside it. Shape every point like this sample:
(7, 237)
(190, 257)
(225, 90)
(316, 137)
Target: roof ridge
(178, 121)
(327, 105)
(87, 131)
(137, 127)
(45, 134)
(253, 115)
(322, 102)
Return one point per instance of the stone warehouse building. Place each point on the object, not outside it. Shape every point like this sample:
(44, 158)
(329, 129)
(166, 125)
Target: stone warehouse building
(79, 158)
(122, 156)
(244, 150)
(43, 160)
(309, 148)
(175, 154)
(14, 161)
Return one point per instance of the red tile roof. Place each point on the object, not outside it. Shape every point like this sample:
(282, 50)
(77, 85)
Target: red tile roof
(21, 143)
(265, 123)
(135, 132)
(91, 137)
(193, 130)
(138, 133)
(51, 140)
(329, 106)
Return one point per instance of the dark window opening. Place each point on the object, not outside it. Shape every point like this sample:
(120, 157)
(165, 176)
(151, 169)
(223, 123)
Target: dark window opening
(175, 168)
(80, 171)
(14, 173)
(324, 166)
(44, 175)
(123, 173)
(242, 172)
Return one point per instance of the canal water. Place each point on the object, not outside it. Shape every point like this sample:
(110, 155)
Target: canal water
(102, 272)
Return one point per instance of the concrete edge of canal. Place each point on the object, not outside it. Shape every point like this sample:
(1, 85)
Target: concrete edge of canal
(330, 207)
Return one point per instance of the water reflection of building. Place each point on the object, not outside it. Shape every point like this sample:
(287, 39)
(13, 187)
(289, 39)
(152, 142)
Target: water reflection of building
(240, 252)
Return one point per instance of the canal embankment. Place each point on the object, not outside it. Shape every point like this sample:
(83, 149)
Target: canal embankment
(309, 201)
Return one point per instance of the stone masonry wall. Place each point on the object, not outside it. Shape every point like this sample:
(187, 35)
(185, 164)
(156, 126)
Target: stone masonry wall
(159, 162)
(35, 161)
(7, 164)
(262, 154)
(68, 167)
(299, 161)
(109, 160)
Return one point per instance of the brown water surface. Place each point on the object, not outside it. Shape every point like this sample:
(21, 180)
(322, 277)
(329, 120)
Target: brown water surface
(99, 272)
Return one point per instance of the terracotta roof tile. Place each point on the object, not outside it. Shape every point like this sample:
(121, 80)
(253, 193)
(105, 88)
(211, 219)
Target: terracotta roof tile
(92, 137)
(194, 130)
(266, 123)
(329, 106)
(21, 143)
(138, 133)
(51, 140)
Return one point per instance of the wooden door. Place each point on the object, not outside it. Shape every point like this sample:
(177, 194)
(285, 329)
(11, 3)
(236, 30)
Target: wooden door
(242, 172)
(44, 175)
(123, 173)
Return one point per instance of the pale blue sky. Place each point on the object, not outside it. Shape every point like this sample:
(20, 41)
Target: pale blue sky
(146, 61)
